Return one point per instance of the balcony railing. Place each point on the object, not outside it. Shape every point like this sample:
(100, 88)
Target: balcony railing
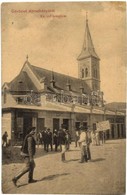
(93, 99)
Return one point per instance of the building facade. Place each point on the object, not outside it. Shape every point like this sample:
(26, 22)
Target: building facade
(43, 98)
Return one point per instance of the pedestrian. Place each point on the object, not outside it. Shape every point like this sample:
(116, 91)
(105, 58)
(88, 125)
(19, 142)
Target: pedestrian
(59, 139)
(39, 137)
(83, 144)
(62, 141)
(49, 139)
(55, 139)
(45, 139)
(97, 138)
(28, 151)
(89, 140)
(93, 137)
(68, 139)
(4, 139)
(103, 137)
(76, 137)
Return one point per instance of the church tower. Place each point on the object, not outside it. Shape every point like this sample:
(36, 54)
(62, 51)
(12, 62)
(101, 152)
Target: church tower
(88, 62)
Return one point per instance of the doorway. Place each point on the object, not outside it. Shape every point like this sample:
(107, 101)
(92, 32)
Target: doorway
(66, 124)
(118, 130)
(27, 123)
(56, 124)
(122, 130)
(84, 124)
(112, 130)
(40, 124)
(77, 125)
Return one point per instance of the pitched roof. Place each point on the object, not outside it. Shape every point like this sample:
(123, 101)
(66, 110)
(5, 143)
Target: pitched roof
(88, 47)
(22, 83)
(60, 80)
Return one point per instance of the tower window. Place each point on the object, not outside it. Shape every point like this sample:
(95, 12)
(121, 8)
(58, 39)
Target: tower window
(86, 72)
(82, 73)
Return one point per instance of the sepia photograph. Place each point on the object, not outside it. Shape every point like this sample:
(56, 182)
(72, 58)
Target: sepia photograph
(63, 92)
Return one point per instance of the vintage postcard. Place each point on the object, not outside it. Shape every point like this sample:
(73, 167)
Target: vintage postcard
(63, 97)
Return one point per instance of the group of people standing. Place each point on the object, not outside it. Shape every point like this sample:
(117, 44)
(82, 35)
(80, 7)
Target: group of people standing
(48, 139)
(97, 137)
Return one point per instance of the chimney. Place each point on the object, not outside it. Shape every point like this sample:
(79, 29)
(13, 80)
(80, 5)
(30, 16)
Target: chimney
(68, 85)
(52, 81)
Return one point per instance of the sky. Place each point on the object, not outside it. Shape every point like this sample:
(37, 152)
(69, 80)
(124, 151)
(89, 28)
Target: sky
(53, 39)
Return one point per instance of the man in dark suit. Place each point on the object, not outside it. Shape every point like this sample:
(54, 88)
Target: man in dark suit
(49, 139)
(28, 150)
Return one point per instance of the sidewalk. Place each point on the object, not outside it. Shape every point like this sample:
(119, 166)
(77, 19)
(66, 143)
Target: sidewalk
(104, 175)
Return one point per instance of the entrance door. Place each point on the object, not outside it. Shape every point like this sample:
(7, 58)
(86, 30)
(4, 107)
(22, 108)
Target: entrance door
(118, 130)
(107, 134)
(77, 125)
(66, 123)
(27, 123)
(56, 124)
(112, 130)
(94, 126)
(40, 124)
(84, 124)
(122, 130)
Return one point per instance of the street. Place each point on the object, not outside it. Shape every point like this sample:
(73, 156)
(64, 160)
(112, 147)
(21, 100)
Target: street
(105, 174)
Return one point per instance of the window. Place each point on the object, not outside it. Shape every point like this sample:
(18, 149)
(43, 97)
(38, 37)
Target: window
(86, 72)
(82, 73)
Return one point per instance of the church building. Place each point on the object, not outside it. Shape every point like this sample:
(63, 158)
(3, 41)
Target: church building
(43, 98)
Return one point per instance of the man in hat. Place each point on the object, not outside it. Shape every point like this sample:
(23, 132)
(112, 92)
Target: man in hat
(62, 142)
(83, 144)
(89, 140)
(28, 149)
(49, 139)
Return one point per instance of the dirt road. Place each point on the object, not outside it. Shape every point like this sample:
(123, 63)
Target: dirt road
(104, 175)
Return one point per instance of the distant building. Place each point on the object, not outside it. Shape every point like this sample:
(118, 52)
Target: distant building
(44, 98)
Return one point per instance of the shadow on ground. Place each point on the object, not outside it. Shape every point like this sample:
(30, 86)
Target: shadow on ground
(108, 143)
(97, 160)
(49, 177)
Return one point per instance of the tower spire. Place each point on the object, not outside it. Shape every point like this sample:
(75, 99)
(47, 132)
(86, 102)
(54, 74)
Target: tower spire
(88, 47)
(88, 62)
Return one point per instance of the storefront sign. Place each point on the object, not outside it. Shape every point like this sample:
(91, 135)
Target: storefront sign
(103, 126)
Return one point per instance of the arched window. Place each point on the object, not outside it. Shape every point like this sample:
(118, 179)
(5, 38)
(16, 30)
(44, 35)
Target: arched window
(82, 73)
(86, 72)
